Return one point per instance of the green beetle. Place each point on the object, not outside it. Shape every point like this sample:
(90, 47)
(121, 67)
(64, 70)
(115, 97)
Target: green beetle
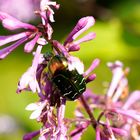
(70, 83)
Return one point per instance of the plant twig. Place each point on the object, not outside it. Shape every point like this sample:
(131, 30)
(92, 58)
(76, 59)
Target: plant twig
(92, 118)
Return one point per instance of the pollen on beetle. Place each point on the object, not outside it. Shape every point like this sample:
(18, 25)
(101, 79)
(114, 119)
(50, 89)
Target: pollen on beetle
(65, 64)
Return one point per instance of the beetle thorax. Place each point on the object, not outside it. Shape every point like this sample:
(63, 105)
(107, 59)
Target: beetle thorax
(57, 63)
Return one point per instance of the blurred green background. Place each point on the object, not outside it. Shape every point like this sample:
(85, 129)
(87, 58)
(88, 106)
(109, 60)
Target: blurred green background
(118, 38)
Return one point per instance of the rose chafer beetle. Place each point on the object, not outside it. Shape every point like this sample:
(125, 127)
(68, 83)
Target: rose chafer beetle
(70, 83)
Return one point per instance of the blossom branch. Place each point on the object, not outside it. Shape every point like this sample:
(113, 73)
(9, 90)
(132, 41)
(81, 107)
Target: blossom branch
(88, 110)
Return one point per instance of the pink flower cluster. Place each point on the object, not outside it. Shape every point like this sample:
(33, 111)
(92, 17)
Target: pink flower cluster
(119, 115)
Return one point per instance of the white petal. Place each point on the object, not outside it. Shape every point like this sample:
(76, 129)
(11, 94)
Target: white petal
(42, 41)
(35, 114)
(75, 63)
(42, 138)
(34, 85)
(24, 80)
(32, 106)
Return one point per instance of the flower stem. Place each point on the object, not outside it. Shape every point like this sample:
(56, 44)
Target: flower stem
(87, 108)
(60, 116)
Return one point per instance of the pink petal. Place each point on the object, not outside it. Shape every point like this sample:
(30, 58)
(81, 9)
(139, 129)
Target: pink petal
(88, 94)
(77, 133)
(49, 31)
(46, 3)
(12, 23)
(117, 75)
(90, 78)
(36, 57)
(94, 64)
(31, 135)
(134, 97)
(60, 48)
(4, 52)
(78, 113)
(119, 90)
(88, 37)
(98, 137)
(133, 114)
(6, 39)
(119, 131)
(73, 47)
(42, 41)
(50, 14)
(29, 77)
(42, 137)
(82, 25)
(30, 45)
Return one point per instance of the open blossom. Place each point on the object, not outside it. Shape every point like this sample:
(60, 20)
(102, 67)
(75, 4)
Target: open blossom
(47, 11)
(31, 35)
(37, 108)
(83, 24)
(47, 15)
(28, 79)
(53, 125)
(119, 90)
(71, 44)
(121, 112)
